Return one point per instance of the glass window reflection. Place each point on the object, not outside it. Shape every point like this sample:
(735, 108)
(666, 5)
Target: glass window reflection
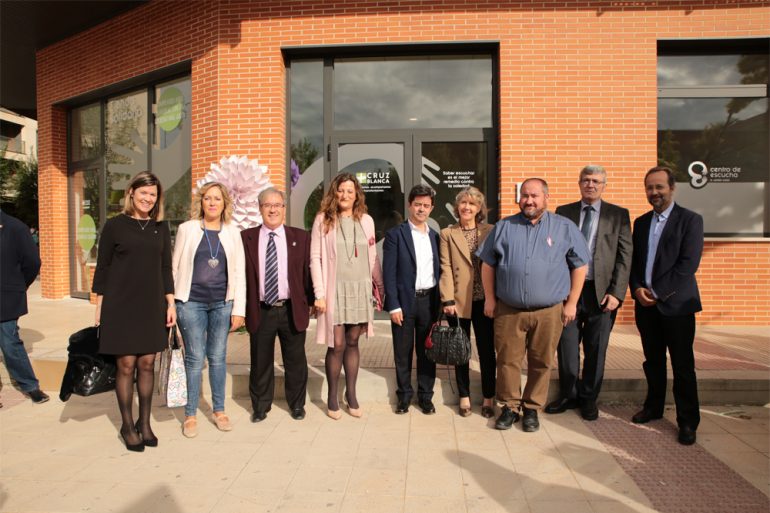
(721, 132)
(126, 151)
(85, 139)
(711, 70)
(413, 92)
(171, 148)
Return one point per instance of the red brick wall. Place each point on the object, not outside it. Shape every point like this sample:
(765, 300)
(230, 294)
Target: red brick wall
(577, 85)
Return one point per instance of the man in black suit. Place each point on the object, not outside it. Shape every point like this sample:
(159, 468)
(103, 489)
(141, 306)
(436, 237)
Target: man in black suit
(19, 265)
(286, 314)
(607, 229)
(668, 244)
(410, 269)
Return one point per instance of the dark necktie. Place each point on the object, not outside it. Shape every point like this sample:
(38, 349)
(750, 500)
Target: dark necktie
(271, 271)
(587, 218)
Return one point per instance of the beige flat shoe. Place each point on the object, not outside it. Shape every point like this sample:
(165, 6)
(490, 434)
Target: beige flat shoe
(222, 421)
(190, 427)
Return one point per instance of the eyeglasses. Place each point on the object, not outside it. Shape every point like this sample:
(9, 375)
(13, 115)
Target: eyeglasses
(591, 181)
(270, 206)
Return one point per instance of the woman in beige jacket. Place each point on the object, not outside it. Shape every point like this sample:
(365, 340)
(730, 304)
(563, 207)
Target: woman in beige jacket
(462, 294)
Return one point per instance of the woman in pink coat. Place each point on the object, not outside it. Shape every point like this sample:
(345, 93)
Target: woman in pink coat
(346, 273)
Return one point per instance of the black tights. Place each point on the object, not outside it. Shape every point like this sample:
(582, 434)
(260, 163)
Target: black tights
(143, 366)
(344, 353)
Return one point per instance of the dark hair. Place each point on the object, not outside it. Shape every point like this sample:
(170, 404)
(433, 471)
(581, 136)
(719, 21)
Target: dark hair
(421, 190)
(329, 203)
(662, 169)
(144, 179)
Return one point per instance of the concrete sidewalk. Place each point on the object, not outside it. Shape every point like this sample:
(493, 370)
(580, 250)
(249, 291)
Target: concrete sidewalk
(62, 457)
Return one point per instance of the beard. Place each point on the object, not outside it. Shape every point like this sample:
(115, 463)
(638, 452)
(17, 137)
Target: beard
(532, 212)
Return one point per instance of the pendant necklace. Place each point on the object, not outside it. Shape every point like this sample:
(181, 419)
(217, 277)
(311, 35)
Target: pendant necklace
(345, 240)
(145, 223)
(213, 261)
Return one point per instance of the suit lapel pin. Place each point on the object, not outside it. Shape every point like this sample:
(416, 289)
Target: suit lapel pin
(294, 243)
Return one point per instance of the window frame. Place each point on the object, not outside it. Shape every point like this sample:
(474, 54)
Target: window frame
(705, 47)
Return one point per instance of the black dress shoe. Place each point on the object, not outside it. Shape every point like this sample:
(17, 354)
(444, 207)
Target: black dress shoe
(530, 424)
(561, 405)
(148, 442)
(298, 413)
(589, 410)
(487, 412)
(258, 416)
(686, 435)
(38, 396)
(507, 418)
(132, 447)
(644, 416)
(427, 407)
(402, 407)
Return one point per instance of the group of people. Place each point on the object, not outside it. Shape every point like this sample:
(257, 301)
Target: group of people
(531, 285)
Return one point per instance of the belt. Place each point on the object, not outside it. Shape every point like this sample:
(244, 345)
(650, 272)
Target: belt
(422, 293)
(278, 304)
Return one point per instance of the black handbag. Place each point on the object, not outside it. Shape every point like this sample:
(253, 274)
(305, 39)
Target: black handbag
(447, 344)
(87, 372)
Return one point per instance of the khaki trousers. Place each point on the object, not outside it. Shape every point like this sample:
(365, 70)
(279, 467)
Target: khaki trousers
(535, 332)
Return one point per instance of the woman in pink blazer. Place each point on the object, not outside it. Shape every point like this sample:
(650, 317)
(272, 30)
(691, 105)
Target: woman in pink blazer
(345, 272)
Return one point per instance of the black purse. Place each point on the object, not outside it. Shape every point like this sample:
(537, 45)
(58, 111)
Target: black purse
(87, 372)
(447, 344)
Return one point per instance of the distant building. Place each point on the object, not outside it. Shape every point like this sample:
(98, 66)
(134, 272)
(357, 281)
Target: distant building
(18, 136)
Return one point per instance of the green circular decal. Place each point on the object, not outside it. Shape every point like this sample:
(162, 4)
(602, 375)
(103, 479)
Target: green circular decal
(86, 233)
(170, 109)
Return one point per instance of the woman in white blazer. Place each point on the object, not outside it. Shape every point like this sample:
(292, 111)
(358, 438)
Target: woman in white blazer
(210, 293)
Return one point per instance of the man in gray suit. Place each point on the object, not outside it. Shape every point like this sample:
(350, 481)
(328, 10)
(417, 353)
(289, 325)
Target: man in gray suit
(607, 229)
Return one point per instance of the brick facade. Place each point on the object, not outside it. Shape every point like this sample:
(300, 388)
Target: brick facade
(577, 86)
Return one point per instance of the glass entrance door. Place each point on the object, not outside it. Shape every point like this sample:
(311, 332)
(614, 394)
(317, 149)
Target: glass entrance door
(381, 169)
(388, 165)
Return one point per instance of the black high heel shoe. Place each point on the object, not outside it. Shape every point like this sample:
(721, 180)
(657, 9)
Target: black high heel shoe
(147, 442)
(132, 447)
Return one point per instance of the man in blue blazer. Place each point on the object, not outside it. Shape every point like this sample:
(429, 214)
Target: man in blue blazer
(411, 273)
(668, 244)
(19, 265)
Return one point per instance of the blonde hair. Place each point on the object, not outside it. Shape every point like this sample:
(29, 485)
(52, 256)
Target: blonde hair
(477, 197)
(144, 179)
(197, 206)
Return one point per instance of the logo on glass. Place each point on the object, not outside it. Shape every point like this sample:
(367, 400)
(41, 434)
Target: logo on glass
(698, 172)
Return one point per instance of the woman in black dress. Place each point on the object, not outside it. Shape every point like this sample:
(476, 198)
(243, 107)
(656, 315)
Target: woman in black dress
(135, 300)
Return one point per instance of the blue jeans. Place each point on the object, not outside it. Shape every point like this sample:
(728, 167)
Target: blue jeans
(16, 358)
(204, 329)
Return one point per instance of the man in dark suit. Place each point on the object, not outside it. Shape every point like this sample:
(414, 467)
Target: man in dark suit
(278, 295)
(19, 265)
(410, 270)
(668, 244)
(607, 229)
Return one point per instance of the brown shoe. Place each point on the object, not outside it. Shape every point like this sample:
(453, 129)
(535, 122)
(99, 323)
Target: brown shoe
(190, 427)
(222, 421)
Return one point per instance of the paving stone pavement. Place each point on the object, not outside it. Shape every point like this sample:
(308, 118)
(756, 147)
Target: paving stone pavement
(66, 457)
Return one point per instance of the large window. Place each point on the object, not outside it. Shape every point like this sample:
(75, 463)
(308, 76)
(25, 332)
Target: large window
(423, 116)
(111, 140)
(713, 131)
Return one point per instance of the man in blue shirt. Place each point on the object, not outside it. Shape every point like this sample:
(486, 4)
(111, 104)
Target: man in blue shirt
(534, 266)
